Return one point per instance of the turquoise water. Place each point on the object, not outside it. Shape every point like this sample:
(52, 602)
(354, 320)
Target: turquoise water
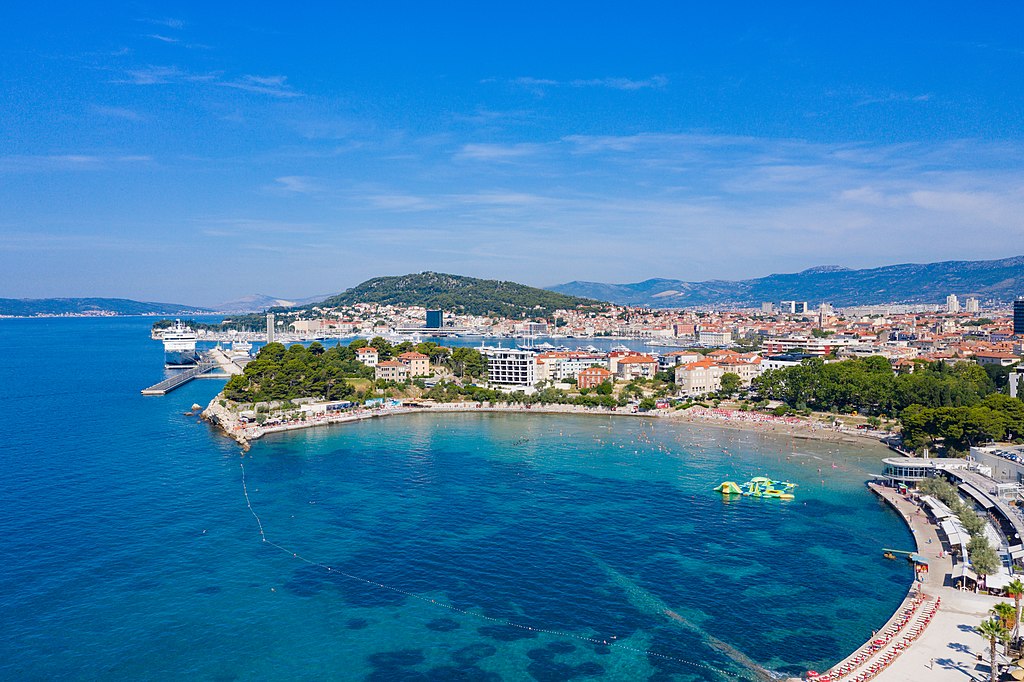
(129, 551)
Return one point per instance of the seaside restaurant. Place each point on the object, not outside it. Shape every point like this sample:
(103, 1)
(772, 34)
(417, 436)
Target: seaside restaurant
(909, 471)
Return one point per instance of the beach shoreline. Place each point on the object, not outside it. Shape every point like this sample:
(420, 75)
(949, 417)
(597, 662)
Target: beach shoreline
(766, 425)
(229, 423)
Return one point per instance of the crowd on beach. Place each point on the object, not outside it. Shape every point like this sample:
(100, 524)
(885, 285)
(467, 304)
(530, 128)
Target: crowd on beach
(751, 417)
(886, 647)
(248, 431)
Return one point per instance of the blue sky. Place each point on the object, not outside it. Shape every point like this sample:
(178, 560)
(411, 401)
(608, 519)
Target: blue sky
(224, 149)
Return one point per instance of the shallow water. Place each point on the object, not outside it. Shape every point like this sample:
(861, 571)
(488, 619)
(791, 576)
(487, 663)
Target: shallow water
(130, 553)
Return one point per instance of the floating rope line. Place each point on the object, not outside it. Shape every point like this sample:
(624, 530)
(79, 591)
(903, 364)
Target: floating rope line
(451, 607)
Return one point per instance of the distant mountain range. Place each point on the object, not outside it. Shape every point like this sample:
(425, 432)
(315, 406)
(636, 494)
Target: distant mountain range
(260, 302)
(906, 283)
(458, 294)
(30, 307)
(1000, 280)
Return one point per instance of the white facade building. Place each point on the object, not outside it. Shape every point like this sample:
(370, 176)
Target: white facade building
(511, 368)
(713, 337)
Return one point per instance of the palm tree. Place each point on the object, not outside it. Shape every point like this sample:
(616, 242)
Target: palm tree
(992, 630)
(1004, 612)
(1016, 590)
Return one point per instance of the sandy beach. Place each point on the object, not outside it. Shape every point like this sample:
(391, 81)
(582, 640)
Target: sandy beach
(791, 427)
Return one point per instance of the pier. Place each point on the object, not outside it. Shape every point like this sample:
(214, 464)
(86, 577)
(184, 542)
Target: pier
(208, 361)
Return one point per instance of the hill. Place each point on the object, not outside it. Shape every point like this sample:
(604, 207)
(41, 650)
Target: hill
(30, 307)
(905, 283)
(458, 294)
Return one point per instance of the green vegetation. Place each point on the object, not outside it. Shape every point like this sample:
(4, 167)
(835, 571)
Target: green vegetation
(994, 631)
(1016, 590)
(447, 392)
(983, 556)
(730, 383)
(869, 385)
(166, 324)
(29, 307)
(466, 295)
(279, 373)
(938, 405)
(997, 418)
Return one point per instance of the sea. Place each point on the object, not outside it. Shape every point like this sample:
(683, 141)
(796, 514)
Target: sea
(138, 543)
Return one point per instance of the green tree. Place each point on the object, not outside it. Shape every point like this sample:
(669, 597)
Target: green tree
(1004, 611)
(468, 362)
(984, 558)
(974, 525)
(993, 631)
(730, 383)
(1016, 590)
(383, 347)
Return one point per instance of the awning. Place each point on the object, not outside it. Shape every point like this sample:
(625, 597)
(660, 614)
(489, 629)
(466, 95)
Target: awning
(981, 498)
(963, 571)
(1017, 552)
(997, 581)
(918, 559)
(955, 533)
(938, 510)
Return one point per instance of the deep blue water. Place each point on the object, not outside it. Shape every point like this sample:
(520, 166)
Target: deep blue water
(129, 552)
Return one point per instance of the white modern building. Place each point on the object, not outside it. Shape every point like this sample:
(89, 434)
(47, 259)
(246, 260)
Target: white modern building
(511, 368)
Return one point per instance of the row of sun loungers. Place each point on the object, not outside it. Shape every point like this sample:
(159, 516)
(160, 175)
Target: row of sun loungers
(886, 646)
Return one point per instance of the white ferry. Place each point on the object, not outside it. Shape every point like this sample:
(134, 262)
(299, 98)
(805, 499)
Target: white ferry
(179, 346)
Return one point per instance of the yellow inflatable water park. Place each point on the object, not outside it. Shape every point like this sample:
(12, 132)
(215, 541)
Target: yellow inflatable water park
(759, 486)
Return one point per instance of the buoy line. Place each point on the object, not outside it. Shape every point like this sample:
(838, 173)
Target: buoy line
(451, 607)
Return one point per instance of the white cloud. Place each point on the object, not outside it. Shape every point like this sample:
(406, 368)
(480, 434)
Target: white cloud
(276, 86)
(621, 83)
(538, 85)
(67, 162)
(296, 184)
(166, 22)
(160, 75)
(117, 112)
(497, 152)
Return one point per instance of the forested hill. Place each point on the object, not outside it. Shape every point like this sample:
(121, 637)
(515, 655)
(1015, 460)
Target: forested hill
(458, 294)
(29, 307)
(906, 283)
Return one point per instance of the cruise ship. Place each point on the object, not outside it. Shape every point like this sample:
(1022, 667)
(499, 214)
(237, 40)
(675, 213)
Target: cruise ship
(179, 346)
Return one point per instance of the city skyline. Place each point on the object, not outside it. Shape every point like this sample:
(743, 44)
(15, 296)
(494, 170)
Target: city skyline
(207, 155)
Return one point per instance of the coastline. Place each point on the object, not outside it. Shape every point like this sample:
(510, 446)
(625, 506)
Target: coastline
(228, 422)
(766, 425)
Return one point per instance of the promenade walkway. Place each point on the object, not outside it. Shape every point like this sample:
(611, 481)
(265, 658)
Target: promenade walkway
(938, 641)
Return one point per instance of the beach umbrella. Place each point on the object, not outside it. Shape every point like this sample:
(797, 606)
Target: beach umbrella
(1018, 674)
(1019, 662)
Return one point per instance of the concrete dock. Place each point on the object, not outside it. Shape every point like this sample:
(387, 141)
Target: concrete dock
(209, 360)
